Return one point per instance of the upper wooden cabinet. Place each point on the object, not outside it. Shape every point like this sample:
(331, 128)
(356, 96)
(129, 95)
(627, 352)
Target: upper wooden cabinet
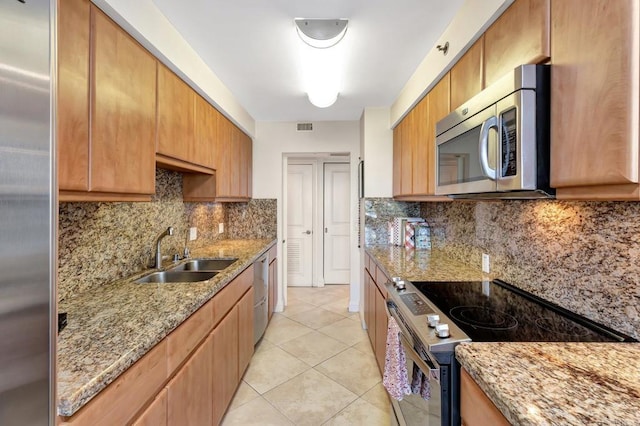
(176, 116)
(467, 79)
(233, 162)
(186, 126)
(107, 118)
(519, 36)
(414, 140)
(595, 102)
(73, 94)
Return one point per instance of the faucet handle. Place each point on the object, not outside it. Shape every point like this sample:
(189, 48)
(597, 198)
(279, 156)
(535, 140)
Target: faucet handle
(170, 230)
(187, 253)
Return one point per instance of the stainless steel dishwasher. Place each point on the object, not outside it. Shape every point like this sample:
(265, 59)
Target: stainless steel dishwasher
(260, 295)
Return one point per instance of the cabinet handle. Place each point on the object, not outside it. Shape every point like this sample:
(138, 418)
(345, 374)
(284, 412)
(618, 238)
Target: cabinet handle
(307, 232)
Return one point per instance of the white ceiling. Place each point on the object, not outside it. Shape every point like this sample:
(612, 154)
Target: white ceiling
(251, 45)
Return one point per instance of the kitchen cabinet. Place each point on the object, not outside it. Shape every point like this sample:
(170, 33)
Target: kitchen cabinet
(273, 279)
(594, 119)
(476, 409)
(225, 363)
(519, 36)
(189, 377)
(245, 331)
(467, 78)
(414, 146)
(156, 413)
(116, 158)
(189, 393)
(72, 115)
(397, 160)
(186, 126)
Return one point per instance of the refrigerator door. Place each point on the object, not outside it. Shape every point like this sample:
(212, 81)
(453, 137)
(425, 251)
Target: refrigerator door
(27, 207)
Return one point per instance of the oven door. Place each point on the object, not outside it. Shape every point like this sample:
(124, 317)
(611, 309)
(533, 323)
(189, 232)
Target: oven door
(414, 410)
(466, 155)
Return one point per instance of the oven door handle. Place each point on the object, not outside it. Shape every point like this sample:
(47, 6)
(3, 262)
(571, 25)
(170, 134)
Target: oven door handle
(426, 366)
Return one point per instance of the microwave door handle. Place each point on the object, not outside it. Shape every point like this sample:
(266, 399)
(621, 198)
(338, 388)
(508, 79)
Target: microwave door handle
(483, 146)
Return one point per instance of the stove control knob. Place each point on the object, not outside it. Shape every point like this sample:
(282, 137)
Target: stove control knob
(442, 331)
(433, 320)
(400, 285)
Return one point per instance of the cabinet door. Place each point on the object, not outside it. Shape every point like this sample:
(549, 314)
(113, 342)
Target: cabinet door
(224, 151)
(225, 363)
(397, 159)
(420, 148)
(176, 117)
(594, 119)
(123, 111)
(245, 331)
(519, 36)
(466, 75)
(189, 393)
(438, 99)
(406, 166)
(381, 320)
(205, 133)
(156, 413)
(72, 113)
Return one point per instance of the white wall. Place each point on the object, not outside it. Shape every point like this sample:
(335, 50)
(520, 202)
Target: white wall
(272, 142)
(473, 18)
(377, 151)
(144, 21)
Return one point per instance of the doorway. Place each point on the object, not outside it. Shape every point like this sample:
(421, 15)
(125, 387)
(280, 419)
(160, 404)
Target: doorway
(317, 220)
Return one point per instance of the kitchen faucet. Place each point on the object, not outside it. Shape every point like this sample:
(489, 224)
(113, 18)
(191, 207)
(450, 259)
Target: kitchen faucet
(169, 231)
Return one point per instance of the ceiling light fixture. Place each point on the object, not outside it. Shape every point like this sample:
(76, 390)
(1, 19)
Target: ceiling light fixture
(321, 65)
(321, 33)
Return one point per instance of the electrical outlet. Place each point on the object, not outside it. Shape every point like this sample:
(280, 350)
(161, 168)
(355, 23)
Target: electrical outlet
(193, 233)
(485, 263)
(220, 228)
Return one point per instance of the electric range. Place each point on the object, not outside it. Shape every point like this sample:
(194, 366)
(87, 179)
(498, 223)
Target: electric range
(437, 316)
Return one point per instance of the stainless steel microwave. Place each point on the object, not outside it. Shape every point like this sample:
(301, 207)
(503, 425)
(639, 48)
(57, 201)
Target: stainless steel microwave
(496, 145)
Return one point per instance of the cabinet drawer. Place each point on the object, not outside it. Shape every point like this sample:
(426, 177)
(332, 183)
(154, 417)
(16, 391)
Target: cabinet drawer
(229, 296)
(184, 339)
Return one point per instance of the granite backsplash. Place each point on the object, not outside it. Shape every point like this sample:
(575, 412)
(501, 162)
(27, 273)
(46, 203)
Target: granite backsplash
(102, 242)
(583, 256)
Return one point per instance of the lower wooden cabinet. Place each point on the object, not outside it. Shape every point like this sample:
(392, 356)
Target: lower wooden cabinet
(245, 331)
(375, 310)
(189, 393)
(225, 363)
(190, 377)
(476, 409)
(156, 413)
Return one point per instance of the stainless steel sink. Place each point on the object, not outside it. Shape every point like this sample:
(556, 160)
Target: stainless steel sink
(176, 277)
(205, 265)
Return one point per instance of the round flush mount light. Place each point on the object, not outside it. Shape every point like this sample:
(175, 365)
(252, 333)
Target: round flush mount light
(321, 33)
(323, 98)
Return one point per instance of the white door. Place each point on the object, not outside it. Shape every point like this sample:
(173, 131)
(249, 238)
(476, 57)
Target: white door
(299, 224)
(336, 223)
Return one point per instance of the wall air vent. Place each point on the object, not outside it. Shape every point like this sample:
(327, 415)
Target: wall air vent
(305, 127)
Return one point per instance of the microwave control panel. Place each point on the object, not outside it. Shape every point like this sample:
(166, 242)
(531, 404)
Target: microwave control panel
(509, 143)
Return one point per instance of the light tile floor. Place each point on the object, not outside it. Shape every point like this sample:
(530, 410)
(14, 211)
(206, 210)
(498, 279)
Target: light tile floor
(314, 366)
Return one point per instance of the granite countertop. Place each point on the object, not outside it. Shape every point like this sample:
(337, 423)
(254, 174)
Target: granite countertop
(558, 383)
(110, 328)
(423, 265)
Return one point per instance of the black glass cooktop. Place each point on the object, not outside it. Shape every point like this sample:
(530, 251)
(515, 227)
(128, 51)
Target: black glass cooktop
(498, 312)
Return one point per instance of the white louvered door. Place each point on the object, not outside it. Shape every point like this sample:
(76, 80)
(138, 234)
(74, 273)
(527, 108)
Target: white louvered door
(299, 225)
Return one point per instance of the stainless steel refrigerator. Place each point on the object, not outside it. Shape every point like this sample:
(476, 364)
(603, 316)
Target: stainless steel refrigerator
(27, 214)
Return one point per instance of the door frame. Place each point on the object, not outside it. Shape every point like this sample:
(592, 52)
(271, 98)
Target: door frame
(318, 212)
